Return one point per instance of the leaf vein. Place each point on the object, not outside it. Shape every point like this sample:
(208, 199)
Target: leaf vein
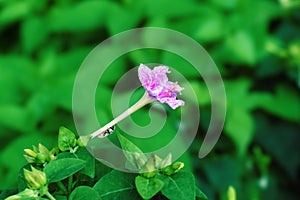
(116, 191)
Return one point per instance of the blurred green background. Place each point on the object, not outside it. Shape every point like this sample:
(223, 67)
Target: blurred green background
(255, 44)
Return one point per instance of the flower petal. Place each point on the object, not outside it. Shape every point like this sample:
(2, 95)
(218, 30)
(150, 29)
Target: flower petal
(144, 74)
(159, 74)
(158, 86)
(174, 103)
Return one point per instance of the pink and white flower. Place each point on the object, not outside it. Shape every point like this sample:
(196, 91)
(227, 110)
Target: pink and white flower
(158, 85)
(158, 88)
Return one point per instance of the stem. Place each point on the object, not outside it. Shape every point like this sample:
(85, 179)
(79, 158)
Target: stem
(62, 187)
(70, 183)
(142, 102)
(50, 196)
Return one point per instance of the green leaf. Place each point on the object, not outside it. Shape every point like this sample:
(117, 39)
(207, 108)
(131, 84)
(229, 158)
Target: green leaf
(66, 139)
(241, 48)
(63, 155)
(210, 28)
(179, 186)
(117, 185)
(280, 106)
(60, 93)
(147, 188)
(207, 26)
(121, 19)
(17, 75)
(83, 154)
(222, 171)
(157, 8)
(14, 12)
(69, 18)
(31, 40)
(15, 117)
(66, 61)
(59, 197)
(239, 127)
(229, 4)
(200, 195)
(89, 169)
(84, 193)
(58, 170)
(133, 154)
(278, 140)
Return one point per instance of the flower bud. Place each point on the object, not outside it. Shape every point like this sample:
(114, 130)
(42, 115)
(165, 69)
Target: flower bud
(139, 159)
(166, 161)
(173, 169)
(149, 169)
(150, 174)
(42, 158)
(43, 149)
(53, 153)
(231, 193)
(27, 193)
(83, 140)
(157, 161)
(177, 166)
(35, 149)
(31, 153)
(39, 155)
(29, 159)
(35, 178)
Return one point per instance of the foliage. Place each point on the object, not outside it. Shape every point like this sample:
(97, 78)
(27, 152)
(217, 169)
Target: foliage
(62, 177)
(255, 44)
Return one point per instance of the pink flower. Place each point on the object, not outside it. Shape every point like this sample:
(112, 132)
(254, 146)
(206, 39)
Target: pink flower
(158, 86)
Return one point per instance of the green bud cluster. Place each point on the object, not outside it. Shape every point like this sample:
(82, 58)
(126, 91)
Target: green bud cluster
(155, 164)
(25, 194)
(36, 184)
(172, 169)
(35, 179)
(40, 154)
